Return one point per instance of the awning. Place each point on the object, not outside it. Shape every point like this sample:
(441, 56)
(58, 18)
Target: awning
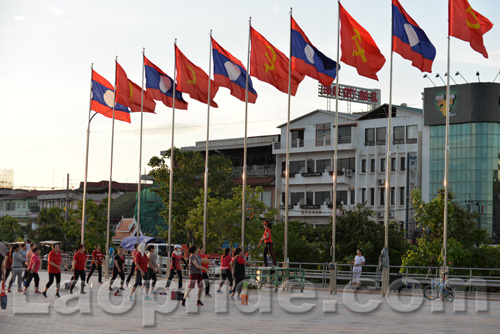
(128, 243)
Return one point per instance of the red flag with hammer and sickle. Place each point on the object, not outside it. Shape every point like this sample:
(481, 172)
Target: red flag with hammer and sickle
(270, 65)
(358, 47)
(130, 94)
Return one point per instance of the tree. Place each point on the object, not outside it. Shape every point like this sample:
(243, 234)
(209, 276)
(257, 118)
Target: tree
(10, 230)
(188, 170)
(224, 218)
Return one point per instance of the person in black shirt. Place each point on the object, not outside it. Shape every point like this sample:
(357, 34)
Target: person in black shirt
(118, 269)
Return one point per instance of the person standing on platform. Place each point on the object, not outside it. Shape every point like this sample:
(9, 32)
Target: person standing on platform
(97, 258)
(118, 269)
(132, 267)
(205, 263)
(225, 270)
(79, 263)
(175, 266)
(266, 238)
(33, 267)
(54, 269)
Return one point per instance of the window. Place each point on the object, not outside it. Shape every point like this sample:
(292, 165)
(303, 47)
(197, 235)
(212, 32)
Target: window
(402, 196)
(399, 135)
(382, 165)
(344, 134)
(296, 166)
(411, 134)
(372, 165)
(322, 165)
(402, 166)
(24, 205)
(297, 138)
(310, 166)
(393, 193)
(296, 198)
(381, 134)
(323, 134)
(266, 198)
(370, 137)
(363, 196)
(382, 196)
(345, 164)
(321, 197)
(372, 196)
(342, 197)
(10, 206)
(309, 198)
(363, 166)
(393, 164)
(18, 206)
(353, 197)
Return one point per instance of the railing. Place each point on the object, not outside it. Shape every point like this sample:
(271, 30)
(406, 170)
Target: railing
(312, 143)
(255, 170)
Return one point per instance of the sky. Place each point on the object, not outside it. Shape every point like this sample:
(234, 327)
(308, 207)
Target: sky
(48, 46)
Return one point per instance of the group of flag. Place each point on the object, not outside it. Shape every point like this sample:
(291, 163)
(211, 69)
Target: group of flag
(270, 65)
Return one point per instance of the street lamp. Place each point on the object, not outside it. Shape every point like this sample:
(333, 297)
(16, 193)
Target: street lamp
(478, 78)
(426, 76)
(458, 73)
(496, 76)
(446, 74)
(438, 76)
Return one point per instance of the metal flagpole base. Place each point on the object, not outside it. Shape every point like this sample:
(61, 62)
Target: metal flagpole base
(333, 280)
(385, 281)
(106, 266)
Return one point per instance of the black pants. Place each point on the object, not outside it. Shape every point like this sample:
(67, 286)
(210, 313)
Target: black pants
(7, 273)
(172, 273)
(93, 267)
(152, 277)
(30, 278)
(238, 283)
(138, 279)
(207, 283)
(78, 274)
(226, 274)
(269, 249)
(57, 276)
(115, 274)
(132, 271)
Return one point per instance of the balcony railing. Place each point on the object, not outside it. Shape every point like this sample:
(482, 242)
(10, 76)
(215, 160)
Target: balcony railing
(255, 170)
(312, 143)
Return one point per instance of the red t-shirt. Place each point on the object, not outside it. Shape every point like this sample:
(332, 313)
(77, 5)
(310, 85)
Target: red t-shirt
(56, 258)
(176, 261)
(8, 263)
(268, 239)
(141, 261)
(225, 262)
(134, 253)
(34, 263)
(80, 260)
(204, 260)
(240, 260)
(97, 257)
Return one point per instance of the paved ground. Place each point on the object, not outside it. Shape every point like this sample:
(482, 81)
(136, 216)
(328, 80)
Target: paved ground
(284, 312)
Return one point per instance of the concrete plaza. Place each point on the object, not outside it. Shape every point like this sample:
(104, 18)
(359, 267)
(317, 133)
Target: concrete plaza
(314, 310)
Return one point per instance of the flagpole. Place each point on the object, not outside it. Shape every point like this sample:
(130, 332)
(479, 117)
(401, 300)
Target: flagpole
(171, 178)
(106, 268)
(446, 165)
(205, 187)
(84, 204)
(244, 171)
(385, 270)
(333, 273)
(140, 153)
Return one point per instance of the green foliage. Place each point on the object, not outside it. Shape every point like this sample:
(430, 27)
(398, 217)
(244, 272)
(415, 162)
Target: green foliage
(96, 225)
(10, 230)
(188, 179)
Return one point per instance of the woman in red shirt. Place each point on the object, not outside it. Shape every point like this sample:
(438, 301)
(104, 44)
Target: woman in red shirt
(34, 265)
(79, 263)
(175, 266)
(54, 269)
(96, 263)
(269, 243)
(225, 270)
(205, 263)
(141, 266)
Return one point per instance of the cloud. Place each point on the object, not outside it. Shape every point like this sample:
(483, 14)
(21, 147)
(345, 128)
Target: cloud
(19, 18)
(276, 9)
(56, 10)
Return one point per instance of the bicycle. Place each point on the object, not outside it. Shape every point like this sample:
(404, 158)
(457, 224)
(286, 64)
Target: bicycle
(435, 289)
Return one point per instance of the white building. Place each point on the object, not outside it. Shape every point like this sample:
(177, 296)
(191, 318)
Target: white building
(361, 162)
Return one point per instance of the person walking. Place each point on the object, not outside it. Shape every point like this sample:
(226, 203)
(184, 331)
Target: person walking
(238, 264)
(195, 275)
(359, 261)
(266, 238)
(33, 267)
(97, 258)
(132, 267)
(205, 264)
(175, 266)
(141, 266)
(54, 269)
(152, 266)
(225, 270)
(79, 263)
(18, 261)
(7, 265)
(118, 269)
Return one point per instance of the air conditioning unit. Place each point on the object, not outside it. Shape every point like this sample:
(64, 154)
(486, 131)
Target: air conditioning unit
(348, 172)
(391, 214)
(381, 182)
(380, 214)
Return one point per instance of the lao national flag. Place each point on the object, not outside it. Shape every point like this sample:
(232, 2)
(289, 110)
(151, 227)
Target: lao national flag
(308, 60)
(103, 98)
(161, 86)
(410, 41)
(229, 72)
